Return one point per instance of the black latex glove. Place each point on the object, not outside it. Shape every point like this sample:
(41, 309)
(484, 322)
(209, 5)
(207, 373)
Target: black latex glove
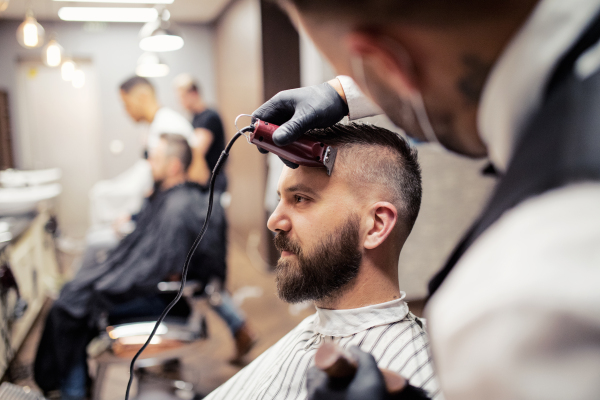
(298, 110)
(367, 383)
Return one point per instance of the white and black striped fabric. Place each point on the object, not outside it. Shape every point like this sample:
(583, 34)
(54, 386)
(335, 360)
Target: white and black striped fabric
(394, 336)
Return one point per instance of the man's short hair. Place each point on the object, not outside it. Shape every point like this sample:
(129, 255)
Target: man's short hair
(134, 82)
(187, 82)
(439, 12)
(375, 155)
(178, 146)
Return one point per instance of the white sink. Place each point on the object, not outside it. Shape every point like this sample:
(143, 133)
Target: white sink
(20, 200)
(12, 178)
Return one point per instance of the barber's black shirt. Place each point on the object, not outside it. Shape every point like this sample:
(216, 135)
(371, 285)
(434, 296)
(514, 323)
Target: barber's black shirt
(209, 119)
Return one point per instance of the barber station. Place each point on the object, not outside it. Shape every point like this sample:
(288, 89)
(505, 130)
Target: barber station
(299, 199)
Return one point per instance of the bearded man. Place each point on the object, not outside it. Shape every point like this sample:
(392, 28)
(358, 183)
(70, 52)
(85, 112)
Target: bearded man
(340, 238)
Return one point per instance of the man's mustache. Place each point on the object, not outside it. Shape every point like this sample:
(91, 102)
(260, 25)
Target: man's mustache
(284, 243)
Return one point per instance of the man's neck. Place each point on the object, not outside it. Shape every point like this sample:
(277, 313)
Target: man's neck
(151, 112)
(198, 106)
(173, 181)
(374, 284)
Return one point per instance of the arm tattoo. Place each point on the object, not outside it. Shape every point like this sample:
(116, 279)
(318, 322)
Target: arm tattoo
(471, 83)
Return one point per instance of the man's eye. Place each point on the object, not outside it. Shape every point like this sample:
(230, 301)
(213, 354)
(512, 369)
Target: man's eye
(299, 199)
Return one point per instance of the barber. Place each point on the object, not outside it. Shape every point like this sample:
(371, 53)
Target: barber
(515, 312)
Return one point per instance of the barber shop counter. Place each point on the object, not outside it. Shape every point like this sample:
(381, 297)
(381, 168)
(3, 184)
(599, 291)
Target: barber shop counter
(28, 273)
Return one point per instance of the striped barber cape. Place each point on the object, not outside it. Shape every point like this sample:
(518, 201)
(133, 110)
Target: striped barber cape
(391, 333)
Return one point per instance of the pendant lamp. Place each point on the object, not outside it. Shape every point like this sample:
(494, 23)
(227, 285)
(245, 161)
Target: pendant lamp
(30, 33)
(151, 66)
(160, 36)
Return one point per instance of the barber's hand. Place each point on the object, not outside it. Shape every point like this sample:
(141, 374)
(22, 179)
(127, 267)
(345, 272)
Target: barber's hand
(298, 110)
(367, 383)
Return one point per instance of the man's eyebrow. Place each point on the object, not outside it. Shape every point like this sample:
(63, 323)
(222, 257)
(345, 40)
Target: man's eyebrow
(301, 188)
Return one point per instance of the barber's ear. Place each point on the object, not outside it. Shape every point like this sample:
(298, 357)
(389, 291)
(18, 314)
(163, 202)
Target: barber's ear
(387, 56)
(383, 220)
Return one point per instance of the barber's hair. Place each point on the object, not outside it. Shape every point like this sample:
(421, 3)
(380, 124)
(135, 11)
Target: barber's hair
(375, 155)
(439, 12)
(187, 82)
(178, 146)
(134, 82)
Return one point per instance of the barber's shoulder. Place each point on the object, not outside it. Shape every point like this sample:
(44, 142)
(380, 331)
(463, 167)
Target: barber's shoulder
(542, 253)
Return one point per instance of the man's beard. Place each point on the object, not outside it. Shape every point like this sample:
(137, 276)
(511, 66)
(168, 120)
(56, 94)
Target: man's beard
(324, 273)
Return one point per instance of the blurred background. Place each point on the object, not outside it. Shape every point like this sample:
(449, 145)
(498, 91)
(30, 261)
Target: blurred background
(61, 64)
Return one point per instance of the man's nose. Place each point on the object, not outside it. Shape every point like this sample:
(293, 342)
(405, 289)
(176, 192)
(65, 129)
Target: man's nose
(279, 221)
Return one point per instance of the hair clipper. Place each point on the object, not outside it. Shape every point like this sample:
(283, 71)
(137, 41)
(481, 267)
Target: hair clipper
(304, 151)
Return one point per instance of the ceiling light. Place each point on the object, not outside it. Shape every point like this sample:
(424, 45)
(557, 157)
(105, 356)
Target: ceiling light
(107, 14)
(3, 5)
(67, 70)
(162, 40)
(120, 1)
(30, 33)
(158, 36)
(151, 66)
(78, 79)
(52, 55)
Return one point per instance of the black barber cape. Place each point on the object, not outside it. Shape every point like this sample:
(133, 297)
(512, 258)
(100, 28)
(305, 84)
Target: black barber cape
(166, 227)
(165, 230)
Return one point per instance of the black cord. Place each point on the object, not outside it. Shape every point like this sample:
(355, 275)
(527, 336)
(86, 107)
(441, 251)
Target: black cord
(186, 265)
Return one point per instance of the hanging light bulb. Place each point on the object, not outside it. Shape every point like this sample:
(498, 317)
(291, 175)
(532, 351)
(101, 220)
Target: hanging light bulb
(158, 36)
(52, 54)
(78, 79)
(151, 66)
(3, 5)
(30, 33)
(67, 69)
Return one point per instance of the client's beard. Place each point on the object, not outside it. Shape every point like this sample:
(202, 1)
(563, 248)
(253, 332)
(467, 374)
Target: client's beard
(325, 272)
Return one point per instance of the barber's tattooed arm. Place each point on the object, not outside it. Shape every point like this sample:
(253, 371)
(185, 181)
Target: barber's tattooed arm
(470, 85)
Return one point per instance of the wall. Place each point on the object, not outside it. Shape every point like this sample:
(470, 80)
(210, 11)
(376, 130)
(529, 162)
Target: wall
(76, 134)
(239, 91)
(113, 49)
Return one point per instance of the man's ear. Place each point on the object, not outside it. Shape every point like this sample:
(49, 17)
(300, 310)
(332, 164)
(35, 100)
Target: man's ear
(387, 56)
(175, 166)
(383, 220)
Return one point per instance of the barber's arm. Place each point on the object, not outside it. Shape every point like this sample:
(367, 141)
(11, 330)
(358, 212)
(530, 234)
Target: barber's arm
(318, 106)
(367, 383)
(199, 171)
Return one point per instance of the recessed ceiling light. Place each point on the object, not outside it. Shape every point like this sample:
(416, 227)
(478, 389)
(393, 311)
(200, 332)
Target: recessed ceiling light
(107, 14)
(120, 1)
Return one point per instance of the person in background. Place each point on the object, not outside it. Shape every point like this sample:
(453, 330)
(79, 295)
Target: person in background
(124, 283)
(116, 199)
(210, 142)
(208, 129)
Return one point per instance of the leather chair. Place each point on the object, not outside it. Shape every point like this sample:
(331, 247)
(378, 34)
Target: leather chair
(117, 344)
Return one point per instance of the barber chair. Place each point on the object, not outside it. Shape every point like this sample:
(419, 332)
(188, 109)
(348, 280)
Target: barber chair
(117, 344)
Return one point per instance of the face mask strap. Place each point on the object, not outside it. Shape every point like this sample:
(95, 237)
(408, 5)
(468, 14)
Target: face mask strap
(418, 106)
(357, 64)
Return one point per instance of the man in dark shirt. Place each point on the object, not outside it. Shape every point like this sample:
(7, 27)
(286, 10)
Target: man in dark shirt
(166, 227)
(208, 130)
(209, 143)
